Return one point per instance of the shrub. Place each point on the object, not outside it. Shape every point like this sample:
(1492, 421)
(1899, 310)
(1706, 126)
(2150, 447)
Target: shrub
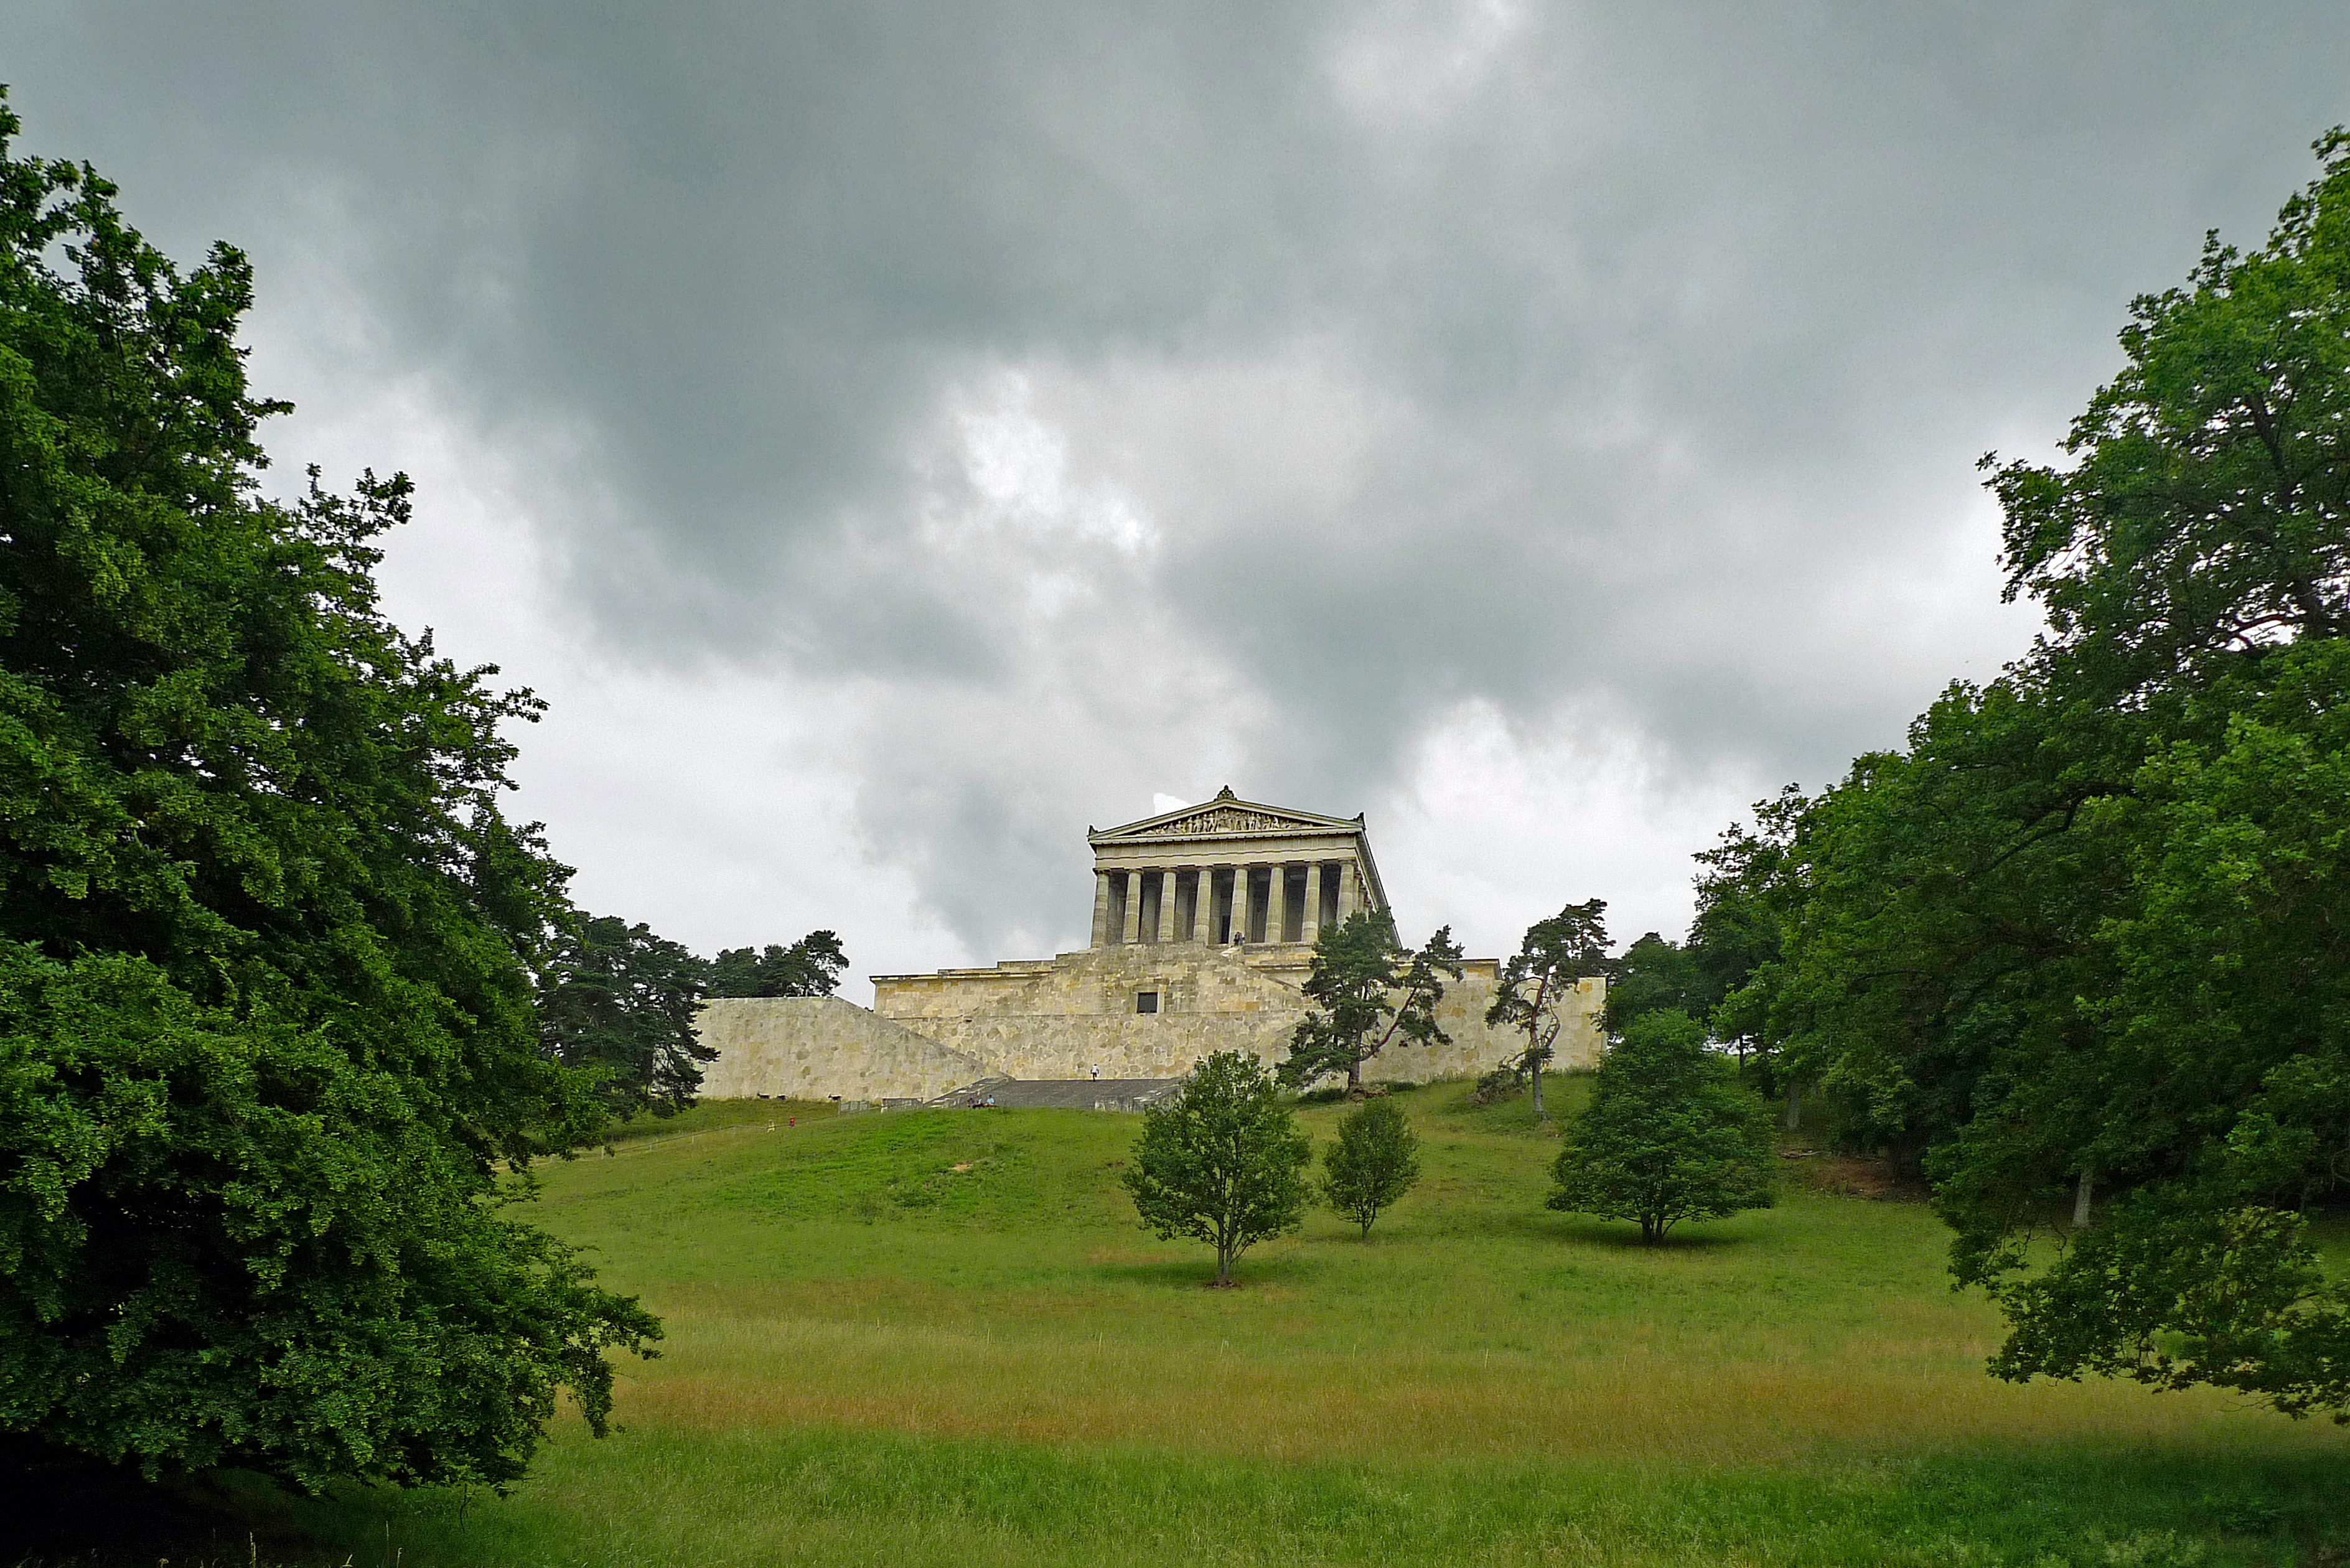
(1374, 1162)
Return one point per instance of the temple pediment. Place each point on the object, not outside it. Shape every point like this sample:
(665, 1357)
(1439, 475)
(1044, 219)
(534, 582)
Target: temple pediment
(1226, 816)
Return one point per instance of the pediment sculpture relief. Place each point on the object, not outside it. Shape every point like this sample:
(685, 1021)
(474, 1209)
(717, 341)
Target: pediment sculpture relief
(1229, 819)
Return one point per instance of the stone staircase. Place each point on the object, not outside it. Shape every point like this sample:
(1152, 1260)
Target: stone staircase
(1062, 1094)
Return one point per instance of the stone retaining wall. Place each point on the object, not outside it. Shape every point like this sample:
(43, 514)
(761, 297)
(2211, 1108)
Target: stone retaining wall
(1072, 1015)
(819, 1048)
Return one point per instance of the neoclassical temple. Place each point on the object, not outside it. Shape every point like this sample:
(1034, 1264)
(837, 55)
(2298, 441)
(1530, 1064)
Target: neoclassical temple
(1229, 871)
(1203, 930)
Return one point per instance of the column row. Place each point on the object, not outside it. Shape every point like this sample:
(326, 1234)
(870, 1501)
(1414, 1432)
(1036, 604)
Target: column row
(1285, 901)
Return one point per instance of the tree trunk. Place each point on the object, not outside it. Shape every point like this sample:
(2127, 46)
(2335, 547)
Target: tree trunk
(2081, 1196)
(1794, 1104)
(1354, 1077)
(1538, 1108)
(1224, 1265)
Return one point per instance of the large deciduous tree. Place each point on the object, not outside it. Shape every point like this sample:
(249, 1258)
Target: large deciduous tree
(1370, 992)
(266, 1033)
(2081, 951)
(1534, 980)
(1670, 1134)
(1223, 1162)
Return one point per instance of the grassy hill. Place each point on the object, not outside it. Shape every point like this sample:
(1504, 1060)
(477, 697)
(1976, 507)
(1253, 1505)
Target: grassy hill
(938, 1337)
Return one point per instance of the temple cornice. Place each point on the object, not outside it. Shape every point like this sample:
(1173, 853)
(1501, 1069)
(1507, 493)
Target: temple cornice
(1226, 816)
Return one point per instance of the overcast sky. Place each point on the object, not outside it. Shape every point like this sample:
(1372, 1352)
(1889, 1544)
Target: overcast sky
(895, 437)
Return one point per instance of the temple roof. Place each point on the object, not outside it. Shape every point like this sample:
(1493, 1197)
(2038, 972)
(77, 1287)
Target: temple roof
(1227, 816)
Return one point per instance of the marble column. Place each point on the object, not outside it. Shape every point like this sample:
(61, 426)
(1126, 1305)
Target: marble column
(1241, 903)
(1311, 929)
(1133, 932)
(1225, 932)
(1276, 902)
(1187, 930)
(1350, 890)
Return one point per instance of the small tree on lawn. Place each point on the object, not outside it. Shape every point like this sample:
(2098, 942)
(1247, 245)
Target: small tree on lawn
(1370, 991)
(1555, 954)
(1670, 1134)
(1374, 1162)
(1223, 1162)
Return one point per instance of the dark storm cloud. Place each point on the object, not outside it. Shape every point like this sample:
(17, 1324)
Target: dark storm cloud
(1048, 372)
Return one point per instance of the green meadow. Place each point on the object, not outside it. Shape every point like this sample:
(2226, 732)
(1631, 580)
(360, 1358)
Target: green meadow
(938, 1337)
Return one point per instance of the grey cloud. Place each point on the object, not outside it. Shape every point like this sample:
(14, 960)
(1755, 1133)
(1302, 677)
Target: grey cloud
(1626, 357)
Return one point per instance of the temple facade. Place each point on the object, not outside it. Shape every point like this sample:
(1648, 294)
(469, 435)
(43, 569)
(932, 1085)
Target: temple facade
(1204, 922)
(1229, 871)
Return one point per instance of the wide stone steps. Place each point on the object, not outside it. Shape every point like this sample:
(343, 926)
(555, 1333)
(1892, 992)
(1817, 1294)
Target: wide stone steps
(1062, 1094)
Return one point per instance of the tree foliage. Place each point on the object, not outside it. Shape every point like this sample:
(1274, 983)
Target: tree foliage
(620, 1000)
(266, 1033)
(1222, 1162)
(809, 967)
(1668, 1136)
(1656, 976)
(1744, 899)
(1369, 992)
(1374, 1162)
(1736, 929)
(1534, 980)
(2085, 935)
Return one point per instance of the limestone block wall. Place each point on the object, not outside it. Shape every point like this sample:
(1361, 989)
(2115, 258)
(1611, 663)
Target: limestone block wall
(814, 1048)
(1187, 977)
(1062, 1017)
(1461, 1014)
(1066, 1017)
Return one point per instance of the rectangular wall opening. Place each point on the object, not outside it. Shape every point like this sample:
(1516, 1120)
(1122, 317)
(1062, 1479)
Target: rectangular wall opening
(1330, 874)
(1293, 903)
(1146, 1001)
(1117, 893)
(1260, 893)
(1154, 903)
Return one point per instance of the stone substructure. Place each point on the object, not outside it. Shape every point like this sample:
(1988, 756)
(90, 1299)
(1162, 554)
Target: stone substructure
(1166, 981)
